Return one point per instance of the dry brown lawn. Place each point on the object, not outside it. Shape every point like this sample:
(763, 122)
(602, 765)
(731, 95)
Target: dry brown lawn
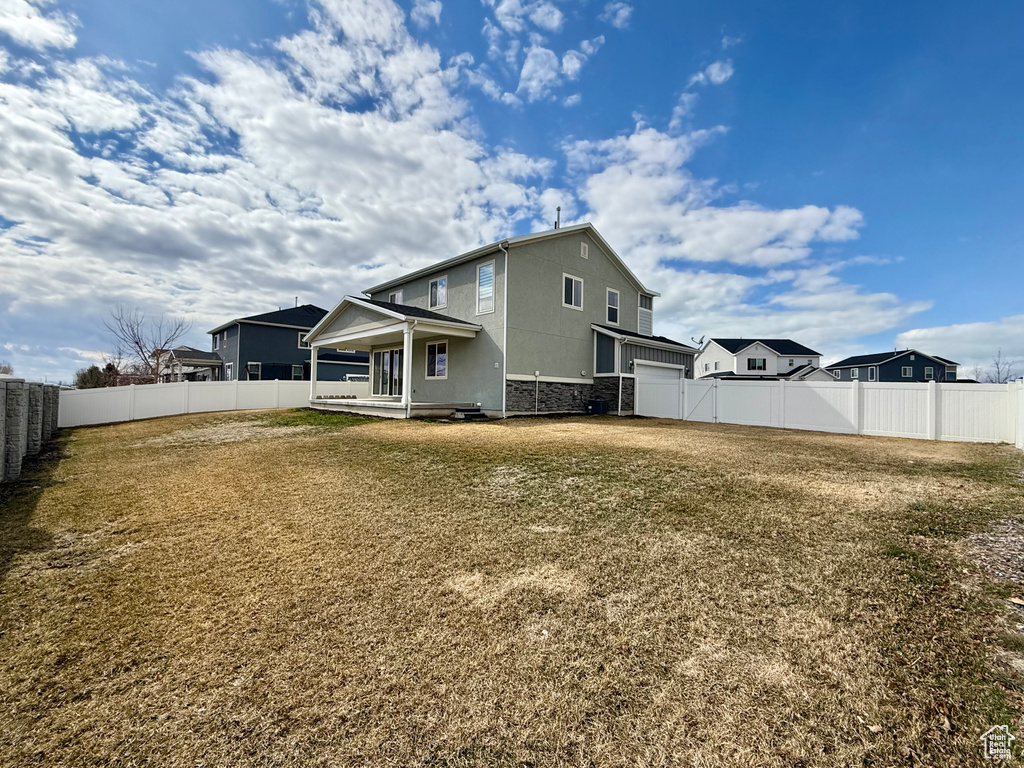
(297, 589)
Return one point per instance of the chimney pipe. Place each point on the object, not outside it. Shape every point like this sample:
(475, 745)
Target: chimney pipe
(296, 301)
(558, 212)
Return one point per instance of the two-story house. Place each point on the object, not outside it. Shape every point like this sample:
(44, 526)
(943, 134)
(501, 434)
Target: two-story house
(908, 365)
(270, 346)
(760, 359)
(546, 322)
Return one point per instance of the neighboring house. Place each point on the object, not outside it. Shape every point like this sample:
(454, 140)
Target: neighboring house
(546, 322)
(760, 359)
(270, 346)
(907, 365)
(189, 364)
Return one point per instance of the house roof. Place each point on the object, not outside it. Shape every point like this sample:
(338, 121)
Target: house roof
(884, 357)
(192, 354)
(496, 246)
(416, 312)
(397, 311)
(305, 316)
(778, 346)
(641, 337)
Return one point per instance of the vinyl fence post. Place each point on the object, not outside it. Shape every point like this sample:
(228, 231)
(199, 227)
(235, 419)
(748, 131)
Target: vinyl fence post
(131, 402)
(277, 393)
(714, 401)
(933, 410)
(683, 396)
(857, 407)
(782, 403)
(234, 396)
(185, 397)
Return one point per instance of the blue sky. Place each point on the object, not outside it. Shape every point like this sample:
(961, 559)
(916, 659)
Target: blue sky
(846, 174)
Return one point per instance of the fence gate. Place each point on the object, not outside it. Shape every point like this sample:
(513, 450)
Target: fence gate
(657, 391)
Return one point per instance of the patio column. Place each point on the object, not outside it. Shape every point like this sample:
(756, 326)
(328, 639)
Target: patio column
(407, 368)
(312, 374)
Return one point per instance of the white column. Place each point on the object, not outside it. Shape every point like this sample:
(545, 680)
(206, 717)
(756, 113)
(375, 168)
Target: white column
(312, 374)
(407, 368)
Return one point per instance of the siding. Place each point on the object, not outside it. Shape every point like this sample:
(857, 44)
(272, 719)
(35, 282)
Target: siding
(631, 352)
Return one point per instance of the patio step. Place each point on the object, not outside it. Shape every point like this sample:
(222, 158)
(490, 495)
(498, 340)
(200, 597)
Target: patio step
(469, 414)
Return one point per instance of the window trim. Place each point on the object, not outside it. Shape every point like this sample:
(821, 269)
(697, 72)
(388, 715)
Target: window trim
(493, 287)
(608, 306)
(562, 290)
(259, 370)
(907, 371)
(307, 345)
(397, 297)
(301, 372)
(426, 360)
(438, 280)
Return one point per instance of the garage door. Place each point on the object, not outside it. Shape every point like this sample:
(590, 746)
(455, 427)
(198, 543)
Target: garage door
(658, 392)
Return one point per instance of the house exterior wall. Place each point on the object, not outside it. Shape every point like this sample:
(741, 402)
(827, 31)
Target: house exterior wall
(544, 335)
(475, 369)
(631, 352)
(228, 350)
(276, 348)
(775, 364)
(892, 371)
(711, 354)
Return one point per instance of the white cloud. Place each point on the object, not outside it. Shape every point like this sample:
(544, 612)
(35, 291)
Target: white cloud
(617, 13)
(971, 344)
(425, 12)
(730, 42)
(25, 23)
(682, 110)
(572, 63)
(541, 73)
(715, 73)
(547, 17)
(572, 100)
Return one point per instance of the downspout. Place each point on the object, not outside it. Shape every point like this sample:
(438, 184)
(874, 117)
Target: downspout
(504, 331)
(408, 367)
(618, 367)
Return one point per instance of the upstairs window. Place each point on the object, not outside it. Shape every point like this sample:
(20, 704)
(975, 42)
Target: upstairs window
(791, 362)
(216, 342)
(485, 288)
(950, 375)
(855, 373)
(929, 373)
(613, 307)
(757, 364)
(716, 365)
(229, 372)
(645, 316)
(303, 344)
(908, 372)
(837, 374)
(395, 297)
(871, 374)
(439, 292)
(572, 292)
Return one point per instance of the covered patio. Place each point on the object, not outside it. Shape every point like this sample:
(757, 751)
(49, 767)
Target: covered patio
(388, 333)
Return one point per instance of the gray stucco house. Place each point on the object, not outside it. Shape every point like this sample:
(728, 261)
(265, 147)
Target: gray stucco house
(546, 322)
(908, 365)
(270, 346)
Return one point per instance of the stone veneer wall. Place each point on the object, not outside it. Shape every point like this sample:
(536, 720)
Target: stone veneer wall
(566, 397)
(28, 418)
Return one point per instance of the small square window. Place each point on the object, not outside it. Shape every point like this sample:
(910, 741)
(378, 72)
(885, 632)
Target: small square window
(439, 292)
(908, 372)
(791, 362)
(855, 373)
(303, 344)
(572, 292)
(395, 297)
(296, 373)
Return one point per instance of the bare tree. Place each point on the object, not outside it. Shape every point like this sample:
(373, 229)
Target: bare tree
(143, 341)
(1002, 369)
(6, 369)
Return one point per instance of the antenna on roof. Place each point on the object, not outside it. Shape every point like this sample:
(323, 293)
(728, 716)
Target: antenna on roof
(296, 301)
(558, 214)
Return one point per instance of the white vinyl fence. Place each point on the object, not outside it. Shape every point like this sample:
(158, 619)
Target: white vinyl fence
(105, 406)
(989, 413)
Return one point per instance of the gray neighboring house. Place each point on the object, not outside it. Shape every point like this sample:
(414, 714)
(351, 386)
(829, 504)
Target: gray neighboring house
(270, 346)
(190, 364)
(908, 365)
(546, 322)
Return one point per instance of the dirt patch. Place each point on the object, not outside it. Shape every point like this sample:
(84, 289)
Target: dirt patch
(488, 591)
(230, 432)
(1000, 551)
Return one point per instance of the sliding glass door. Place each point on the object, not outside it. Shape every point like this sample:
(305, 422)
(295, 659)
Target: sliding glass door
(387, 372)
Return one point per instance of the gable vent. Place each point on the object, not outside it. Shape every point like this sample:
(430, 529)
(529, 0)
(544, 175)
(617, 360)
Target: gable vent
(584, 251)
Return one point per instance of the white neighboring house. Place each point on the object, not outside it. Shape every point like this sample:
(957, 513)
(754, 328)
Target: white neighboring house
(759, 358)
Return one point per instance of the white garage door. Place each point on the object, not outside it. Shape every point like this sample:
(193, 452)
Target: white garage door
(658, 391)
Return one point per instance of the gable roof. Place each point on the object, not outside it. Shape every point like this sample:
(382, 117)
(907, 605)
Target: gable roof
(883, 357)
(397, 311)
(612, 330)
(778, 346)
(518, 240)
(306, 316)
(191, 353)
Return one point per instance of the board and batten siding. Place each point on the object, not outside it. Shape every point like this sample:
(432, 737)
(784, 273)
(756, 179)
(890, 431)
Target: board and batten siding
(631, 352)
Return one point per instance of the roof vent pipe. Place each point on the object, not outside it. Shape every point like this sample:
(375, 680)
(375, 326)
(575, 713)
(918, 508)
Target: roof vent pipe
(558, 214)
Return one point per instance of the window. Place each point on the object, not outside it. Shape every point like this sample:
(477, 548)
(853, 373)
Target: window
(716, 365)
(228, 371)
(929, 373)
(950, 375)
(296, 373)
(439, 292)
(706, 367)
(485, 288)
(572, 292)
(437, 360)
(395, 297)
(303, 344)
(645, 316)
(757, 364)
(216, 342)
(908, 372)
(253, 370)
(911, 357)
(837, 374)
(855, 373)
(808, 361)
(872, 373)
(584, 250)
(613, 307)
(791, 362)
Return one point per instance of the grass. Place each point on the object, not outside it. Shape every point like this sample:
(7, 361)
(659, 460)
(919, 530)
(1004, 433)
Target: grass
(305, 589)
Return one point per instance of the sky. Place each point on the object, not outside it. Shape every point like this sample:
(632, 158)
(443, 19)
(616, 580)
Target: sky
(847, 174)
